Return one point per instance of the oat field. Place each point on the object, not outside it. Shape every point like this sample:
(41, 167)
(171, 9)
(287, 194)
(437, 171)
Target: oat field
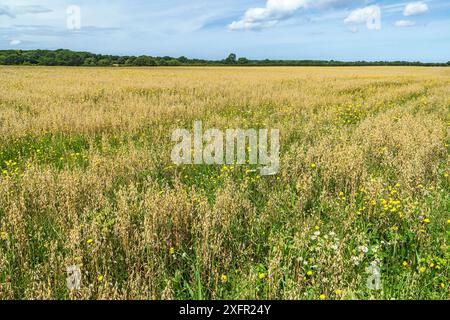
(86, 180)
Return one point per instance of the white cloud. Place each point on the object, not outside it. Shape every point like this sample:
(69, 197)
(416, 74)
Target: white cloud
(404, 23)
(12, 12)
(6, 11)
(325, 4)
(15, 42)
(275, 10)
(370, 15)
(278, 10)
(415, 8)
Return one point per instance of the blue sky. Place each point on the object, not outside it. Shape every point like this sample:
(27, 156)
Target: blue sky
(257, 29)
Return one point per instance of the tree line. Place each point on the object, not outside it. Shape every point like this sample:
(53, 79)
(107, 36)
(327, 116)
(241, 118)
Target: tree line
(62, 57)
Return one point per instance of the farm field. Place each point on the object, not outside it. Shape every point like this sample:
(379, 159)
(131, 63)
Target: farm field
(86, 180)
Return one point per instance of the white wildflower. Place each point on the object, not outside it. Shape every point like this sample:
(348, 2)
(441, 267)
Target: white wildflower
(363, 249)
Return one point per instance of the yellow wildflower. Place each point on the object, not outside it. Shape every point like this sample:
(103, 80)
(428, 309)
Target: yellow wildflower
(3, 235)
(224, 278)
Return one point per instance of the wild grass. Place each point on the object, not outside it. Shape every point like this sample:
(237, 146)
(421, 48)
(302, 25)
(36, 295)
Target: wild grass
(86, 179)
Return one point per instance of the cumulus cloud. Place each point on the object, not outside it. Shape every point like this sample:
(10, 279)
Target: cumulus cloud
(270, 15)
(404, 23)
(278, 10)
(370, 15)
(415, 8)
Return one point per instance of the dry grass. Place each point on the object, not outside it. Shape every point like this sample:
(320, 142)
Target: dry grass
(86, 179)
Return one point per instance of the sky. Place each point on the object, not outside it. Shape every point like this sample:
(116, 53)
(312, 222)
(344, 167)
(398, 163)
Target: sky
(346, 30)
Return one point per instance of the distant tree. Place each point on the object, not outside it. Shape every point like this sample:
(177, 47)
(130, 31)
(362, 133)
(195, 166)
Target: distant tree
(90, 61)
(144, 61)
(183, 59)
(243, 60)
(62, 57)
(68, 58)
(232, 58)
(173, 63)
(104, 62)
(47, 60)
(14, 59)
(162, 62)
(130, 61)
(31, 57)
(122, 60)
